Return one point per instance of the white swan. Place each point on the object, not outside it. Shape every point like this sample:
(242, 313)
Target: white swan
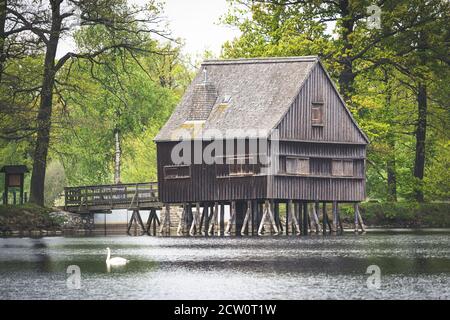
(116, 261)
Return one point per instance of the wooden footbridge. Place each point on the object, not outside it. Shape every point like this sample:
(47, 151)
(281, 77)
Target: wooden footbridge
(87, 200)
(104, 198)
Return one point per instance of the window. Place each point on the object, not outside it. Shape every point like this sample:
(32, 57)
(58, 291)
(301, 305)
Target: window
(297, 165)
(176, 172)
(317, 114)
(343, 168)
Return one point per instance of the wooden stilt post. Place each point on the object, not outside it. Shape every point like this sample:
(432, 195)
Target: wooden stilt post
(232, 219)
(206, 219)
(213, 221)
(222, 219)
(358, 219)
(267, 213)
(324, 218)
(308, 217)
(182, 220)
(338, 215)
(141, 223)
(136, 217)
(202, 219)
(305, 219)
(300, 216)
(263, 219)
(278, 218)
(195, 218)
(335, 218)
(287, 219)
(293, 218)
(152, 220)
(254, 223)
(165, 224)
(130, 223)
(315, 212)
(246, 226)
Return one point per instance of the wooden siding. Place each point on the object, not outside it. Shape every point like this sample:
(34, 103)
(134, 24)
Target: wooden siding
(204, 185)
(317, 188)
(337, 123)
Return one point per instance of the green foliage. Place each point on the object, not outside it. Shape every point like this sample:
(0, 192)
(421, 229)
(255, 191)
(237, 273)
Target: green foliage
(387, 65)
(55, 181)
(401, 214)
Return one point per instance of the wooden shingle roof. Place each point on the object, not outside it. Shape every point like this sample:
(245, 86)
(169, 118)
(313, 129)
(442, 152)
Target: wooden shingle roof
(253, 95)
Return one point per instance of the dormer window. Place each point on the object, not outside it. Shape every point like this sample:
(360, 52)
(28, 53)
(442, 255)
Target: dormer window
(317, 113)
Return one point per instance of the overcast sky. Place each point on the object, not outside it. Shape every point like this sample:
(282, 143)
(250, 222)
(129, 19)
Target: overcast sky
(195, 21)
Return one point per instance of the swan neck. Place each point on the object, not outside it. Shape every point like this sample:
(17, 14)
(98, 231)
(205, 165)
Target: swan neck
(109, 255)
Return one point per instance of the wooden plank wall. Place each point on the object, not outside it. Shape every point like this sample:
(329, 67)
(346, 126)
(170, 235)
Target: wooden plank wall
(338, 126)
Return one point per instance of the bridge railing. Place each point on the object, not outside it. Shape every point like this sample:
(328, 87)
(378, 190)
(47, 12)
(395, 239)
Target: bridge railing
(109, 196)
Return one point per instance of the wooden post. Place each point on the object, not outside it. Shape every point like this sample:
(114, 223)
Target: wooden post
(222, 219)
(22, 178)
(300, 216)
(305, 219)
(267, 213)
(195, 219)
(182, 220)
(338, 214)
(324, 218)
(206, 218)
(232, 219)
(213, 219)
(135, 217)
(246, 226)
(315, 210)
(334, 208)
(261, 223)
(166, 222)
(359, 218)
(152, 220)
(286, 224)
(254, 217)
(189, 218)
(293, 218)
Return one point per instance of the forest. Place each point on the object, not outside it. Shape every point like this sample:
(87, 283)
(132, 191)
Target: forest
(90, 115)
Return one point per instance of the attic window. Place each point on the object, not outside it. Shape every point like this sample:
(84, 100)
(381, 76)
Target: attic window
(317, 113)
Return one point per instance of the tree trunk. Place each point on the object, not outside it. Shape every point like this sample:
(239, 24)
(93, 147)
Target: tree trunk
(421, 130)
(45, 110)
(117, 156)
(347, 76)
(391, 177)
(390, 162)
(3, 4)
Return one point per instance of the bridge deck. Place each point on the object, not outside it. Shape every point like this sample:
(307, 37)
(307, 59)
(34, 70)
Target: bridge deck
(103, 198)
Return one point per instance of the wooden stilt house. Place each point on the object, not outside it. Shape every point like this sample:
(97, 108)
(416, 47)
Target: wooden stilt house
(252, 132)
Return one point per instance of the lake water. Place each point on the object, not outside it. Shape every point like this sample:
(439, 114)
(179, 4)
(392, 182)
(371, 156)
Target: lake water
(414, 265)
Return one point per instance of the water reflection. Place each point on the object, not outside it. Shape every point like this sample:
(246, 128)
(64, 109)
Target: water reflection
(412, 265)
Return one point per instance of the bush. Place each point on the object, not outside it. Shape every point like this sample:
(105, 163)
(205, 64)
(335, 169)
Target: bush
(401, 214)
(27, 217)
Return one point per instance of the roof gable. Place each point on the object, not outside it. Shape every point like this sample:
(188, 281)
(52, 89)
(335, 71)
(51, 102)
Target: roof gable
(339, 125)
